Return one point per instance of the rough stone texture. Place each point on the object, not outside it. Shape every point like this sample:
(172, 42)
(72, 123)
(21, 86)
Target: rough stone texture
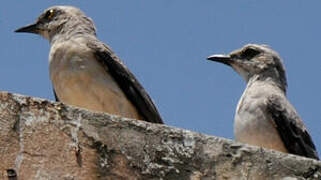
(40, 139)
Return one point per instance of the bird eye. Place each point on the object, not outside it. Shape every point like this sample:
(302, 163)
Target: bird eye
(49, 14)
(249, 53)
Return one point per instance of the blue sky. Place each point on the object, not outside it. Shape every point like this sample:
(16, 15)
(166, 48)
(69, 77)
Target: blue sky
(165, 44)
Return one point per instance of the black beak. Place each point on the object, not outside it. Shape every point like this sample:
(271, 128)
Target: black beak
(32, 28)
(222, 58)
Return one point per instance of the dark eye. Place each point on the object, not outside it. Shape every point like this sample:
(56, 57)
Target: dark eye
(49, 14)
(249, 53)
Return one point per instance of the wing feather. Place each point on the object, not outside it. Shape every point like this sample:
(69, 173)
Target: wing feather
(126, 81)
(291, 129)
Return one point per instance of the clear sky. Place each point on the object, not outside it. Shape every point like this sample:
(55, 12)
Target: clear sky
(165, 44)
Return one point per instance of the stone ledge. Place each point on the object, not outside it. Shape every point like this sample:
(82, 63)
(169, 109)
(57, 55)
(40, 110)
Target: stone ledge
(40, 139)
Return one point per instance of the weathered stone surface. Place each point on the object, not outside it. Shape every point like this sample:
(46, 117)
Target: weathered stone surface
(46, 140)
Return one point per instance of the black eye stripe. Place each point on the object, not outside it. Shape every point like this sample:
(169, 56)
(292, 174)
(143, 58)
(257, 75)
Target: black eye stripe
(49, 14)
(249, 53)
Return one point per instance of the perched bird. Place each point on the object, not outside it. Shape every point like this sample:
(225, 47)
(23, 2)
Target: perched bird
(84, 71)
(264, 117)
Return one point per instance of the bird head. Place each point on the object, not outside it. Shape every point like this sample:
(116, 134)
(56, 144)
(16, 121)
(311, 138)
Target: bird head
(254, 61)
(59, 20)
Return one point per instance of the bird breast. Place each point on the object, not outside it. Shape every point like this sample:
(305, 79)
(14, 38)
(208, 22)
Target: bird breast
(252, 124)
(80, 80)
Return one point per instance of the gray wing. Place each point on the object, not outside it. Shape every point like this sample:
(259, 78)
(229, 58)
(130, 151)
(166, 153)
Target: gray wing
(291, 129)
(133, 90)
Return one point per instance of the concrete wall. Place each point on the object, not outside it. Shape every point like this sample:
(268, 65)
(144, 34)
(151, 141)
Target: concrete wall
(40, 139)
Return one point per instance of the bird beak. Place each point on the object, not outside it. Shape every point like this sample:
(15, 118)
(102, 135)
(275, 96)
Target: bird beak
(222, 58)
(31, 28)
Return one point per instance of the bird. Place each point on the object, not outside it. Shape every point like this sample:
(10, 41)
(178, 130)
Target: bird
(264, 116)
(84, 71)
